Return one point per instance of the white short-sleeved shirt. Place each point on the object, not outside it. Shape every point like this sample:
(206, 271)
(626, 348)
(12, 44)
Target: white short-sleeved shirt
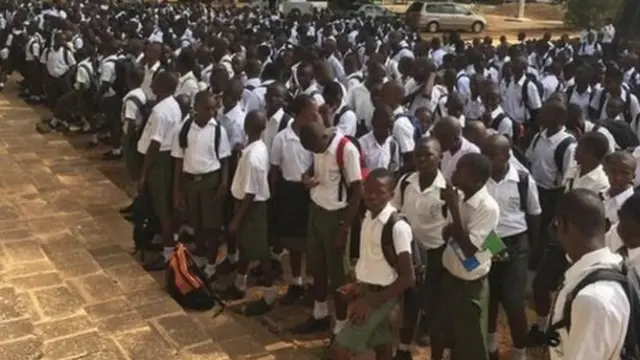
(59, 61)
(403, 131)
(513, 103)
(272, 127)
(376, 155)
(108, 73)
(595, 180)
(161, 125)
(187, 85)
(583, 100)
(633, 105)
(359, 99)
(347, 123)
(506, 193)
(423, 208)
(480, 215)
(130, 109)
(251, 176)
(201, 156)
(541, 154)
(32, 51)
(613, 204)
(450, 161)
(328, 174)
(550, 84)
(149, 74)
(255, 101)
(84, 74)
(372, 267)
(288, 154)
(233, 122)
(505, 127)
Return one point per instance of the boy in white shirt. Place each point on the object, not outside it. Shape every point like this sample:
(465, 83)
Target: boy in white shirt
(589, 172)
(620, 168)
(249, 226)
(379, 283)
(379, 148)
(449, 133)
(132, 116)
(340, 115)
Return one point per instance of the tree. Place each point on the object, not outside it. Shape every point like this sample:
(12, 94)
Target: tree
(591, 13)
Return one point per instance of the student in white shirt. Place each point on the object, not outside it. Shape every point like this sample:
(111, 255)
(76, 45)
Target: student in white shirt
(340, 114)
(352, 67)
(599, 313)
(231, 116)
(419, 196)
(359, 97)
(250, 189)
(132, 116)
(552, 81)
(336, 192)
(110, 102)
(253, 70)
(608, 32)
(455, 107)
(515, 192)
(620, 168)
(201, 149)
(278, 118)
(551, 154)
(307, 83)
(33, 50)
(379, 148)
(462, 306)
(392, 95)
(518, 108)
(187, 83)
(494, 117)
(155, 145)
(256, 100)
(588, 173)
(454, 145)
(590, 46)
(58, 61)
(581, 92)
(379, 284)
(613, 89)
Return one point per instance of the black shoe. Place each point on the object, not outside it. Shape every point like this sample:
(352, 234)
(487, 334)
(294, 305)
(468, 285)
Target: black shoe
(423, 340)
(111, 156)
(232, 293)
(225, 267)
(536, 337)
(128, 217)
(312, 325)
(126, 210)
(403, 355)
(495, 355)
(158, 264)
(293, 295)
(257, 308)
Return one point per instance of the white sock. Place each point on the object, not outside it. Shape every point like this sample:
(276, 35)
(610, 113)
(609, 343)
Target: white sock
(518, 354)
(270, 295)
(542, 323)
(338, 326)
(210, 270)
(298, 281)
(157, 239)
(233, 257)
(176, 237)
(404, 347)
(167, 252)
(54, 122)
(320, 310)
(492, 342)
(241, 282)
(116, 151)
(95, 139)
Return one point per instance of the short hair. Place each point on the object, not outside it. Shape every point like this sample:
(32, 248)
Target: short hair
(333, 90)
(584, 209)
(631, 206)
(479, 164)
(382, 173)
(201, 96)
(621, 157)
(596, 144)
(300, 102)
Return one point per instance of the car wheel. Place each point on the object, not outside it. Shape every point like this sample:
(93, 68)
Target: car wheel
(433, 27)
(477, 27)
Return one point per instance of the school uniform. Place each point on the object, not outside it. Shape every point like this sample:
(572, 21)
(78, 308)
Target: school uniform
(631, 105)
(111, 103)
(132, 112)
(417, 98)
(359, 99)
(611, 207)
(515, 106)
(251, 177)
(589, 49)
(187, 85)
(353, 79)
(314, 91)
(328, 203)
(589, 126)
(57, 64)
(160, 127)
(272, 127)
(508, 278)
(201, 169)
(427, 213)
(463, 84)
(403, 131)
(149, 73)
(377, 155)
(32, 67)
(583, 100)
(550, 85)
(256, 99)
(291, 197)
(233, 122)
(595, 180)
(249, 85)
(501, 122)
(450, 160)
(599, 313)
(474, 109)
(374, 274)
(464, 296)
(541, 153)
(345, 120)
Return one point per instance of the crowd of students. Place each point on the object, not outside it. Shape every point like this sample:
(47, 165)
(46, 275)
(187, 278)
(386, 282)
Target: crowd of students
(349, 142)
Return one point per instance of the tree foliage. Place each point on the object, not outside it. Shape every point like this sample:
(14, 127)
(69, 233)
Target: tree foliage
(591, 13)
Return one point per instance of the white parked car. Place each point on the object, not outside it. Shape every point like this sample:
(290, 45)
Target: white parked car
(375, 11)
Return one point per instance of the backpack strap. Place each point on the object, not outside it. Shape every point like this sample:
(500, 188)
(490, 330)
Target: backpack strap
(216, 139)
(136, 101)
(561, 149)
(386, 239)
(570, 90)
(495, 123)
(404, 182)
(340, 161)
(336, 118)
(523, 189)
(393, 150)
(603, 98)
(284, 121)
(184, 131)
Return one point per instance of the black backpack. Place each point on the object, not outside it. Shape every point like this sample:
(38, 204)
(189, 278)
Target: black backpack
(145, 111)
(628, 278)
(145, 224)
(122, 68)
(626, 109)
(336, 118)
(418, 250)
(571, 89)
(558, 154)
(530, 78)
(622, 133)
(518, 129)
(184, 131)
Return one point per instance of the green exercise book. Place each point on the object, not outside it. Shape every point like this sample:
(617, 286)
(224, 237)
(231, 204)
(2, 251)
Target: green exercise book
(496, 247)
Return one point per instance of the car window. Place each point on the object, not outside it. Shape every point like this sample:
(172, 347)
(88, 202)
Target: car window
(459, 9)
(416, 6)
(435, 9)
(448, 9)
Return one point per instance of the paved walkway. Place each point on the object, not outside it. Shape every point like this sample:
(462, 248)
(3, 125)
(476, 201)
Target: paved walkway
(68, 287)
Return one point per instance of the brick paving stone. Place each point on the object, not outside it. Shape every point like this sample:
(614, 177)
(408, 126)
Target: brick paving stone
(131, 277)
(84, 267)
(96, 287)
(128, 321)
(24, 250)
(181, 330)
(12, 330)
(26, 268)
(81, 345)
(52, 329)
(8, 304)
(243, 347)
(108, 308)
(65, 258)
(158, 309)
(147, 296)
(145, 344)
(30, 282)
(204, 351)
(57, 301)
(29, 348)
(115, 260)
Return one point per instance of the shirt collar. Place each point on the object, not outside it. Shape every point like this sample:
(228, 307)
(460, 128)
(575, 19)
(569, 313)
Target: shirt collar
(478, 198)
(623, 196)
(593, 174)
(234, 110)
(333, 145)
(495, 113)
(588, 260)
(186, 76)
(439, 182)
(633, 253)
(383, 216)
(277, 115)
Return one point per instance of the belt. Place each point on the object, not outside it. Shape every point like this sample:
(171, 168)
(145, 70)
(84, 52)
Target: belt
(199, 177)
(374, 288)
(513, 237)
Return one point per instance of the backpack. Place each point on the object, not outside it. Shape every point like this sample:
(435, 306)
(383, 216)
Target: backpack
(122, 68)
(184, 132)
(417, 126)
(628, 278)
(571, 89)
(418, 250)
(622, 133)
(145, 111)
(145, 224)
(626, 111)
(404, 182)
(558, 154)
(518, 128)
(340, 161)
(460, 77)
(284, 121)
(530, 78)
(188, 285)
(336, 118)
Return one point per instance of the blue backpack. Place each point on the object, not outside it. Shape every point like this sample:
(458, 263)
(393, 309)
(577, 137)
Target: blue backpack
(417, 126)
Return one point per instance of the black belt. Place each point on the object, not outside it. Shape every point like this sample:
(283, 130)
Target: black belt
(374, 288)
(200, 177)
